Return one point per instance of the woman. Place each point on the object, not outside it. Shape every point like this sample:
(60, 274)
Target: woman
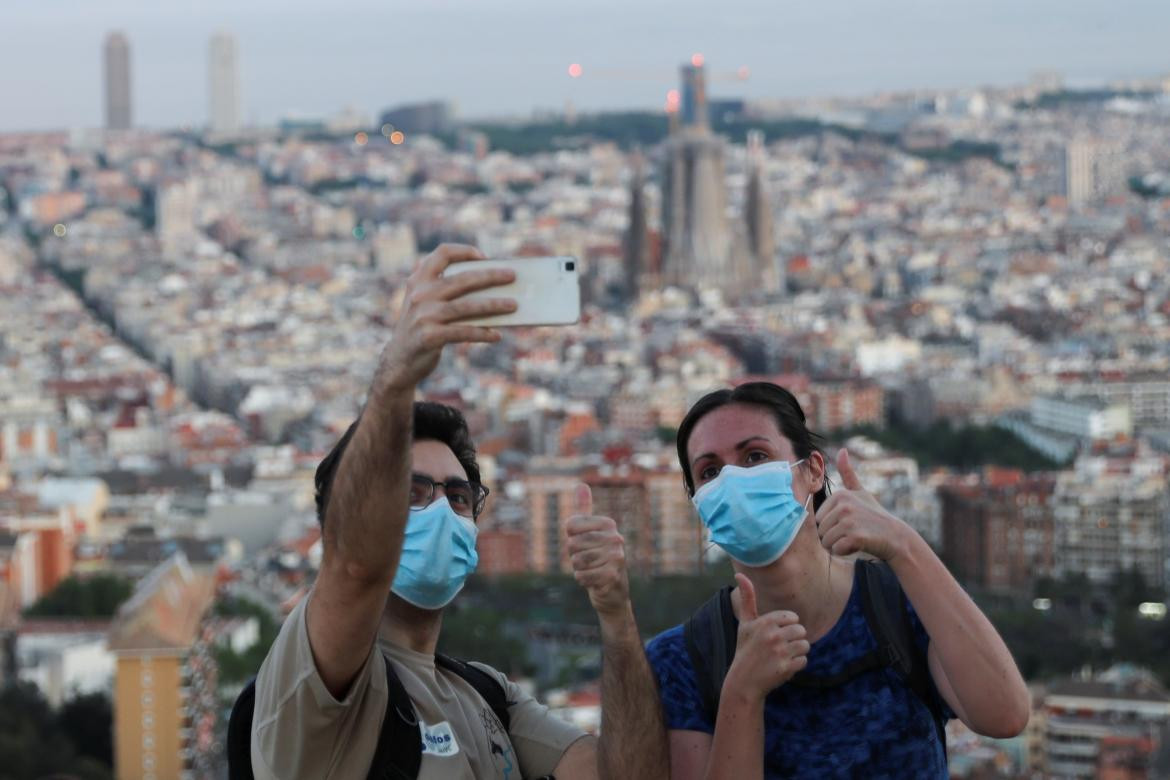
(802, 694)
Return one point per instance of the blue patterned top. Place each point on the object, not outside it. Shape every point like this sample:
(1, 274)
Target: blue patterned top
(872, 726)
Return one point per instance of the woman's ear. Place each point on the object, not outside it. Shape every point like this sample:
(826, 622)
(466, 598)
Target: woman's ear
(816, 472)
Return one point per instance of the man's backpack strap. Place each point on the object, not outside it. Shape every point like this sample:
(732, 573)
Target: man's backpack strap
(710, 637)
(399, 752)
(239, 734)
(391, 760)
(487, 686)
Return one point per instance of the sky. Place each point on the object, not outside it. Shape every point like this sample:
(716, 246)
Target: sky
(509, 57)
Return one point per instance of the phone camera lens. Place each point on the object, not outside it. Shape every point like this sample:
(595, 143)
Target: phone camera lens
(570, 265)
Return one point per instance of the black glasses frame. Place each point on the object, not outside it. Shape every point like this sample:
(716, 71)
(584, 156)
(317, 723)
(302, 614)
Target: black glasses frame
(479, 492)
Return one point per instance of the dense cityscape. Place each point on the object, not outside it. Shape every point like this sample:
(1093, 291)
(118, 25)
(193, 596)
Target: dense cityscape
(968, 289)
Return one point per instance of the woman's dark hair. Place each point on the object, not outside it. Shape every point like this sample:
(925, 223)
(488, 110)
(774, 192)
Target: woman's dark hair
(783, 406)
(432, 422)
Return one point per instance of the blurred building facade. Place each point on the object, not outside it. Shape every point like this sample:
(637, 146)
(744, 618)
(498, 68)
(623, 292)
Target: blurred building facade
(165, 700)
(1107, 726)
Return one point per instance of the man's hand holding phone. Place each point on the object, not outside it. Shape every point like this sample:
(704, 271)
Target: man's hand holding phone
(547, 291)
(434, 314)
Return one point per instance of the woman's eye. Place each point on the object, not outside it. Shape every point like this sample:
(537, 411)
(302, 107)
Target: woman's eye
(757, 456)
(709, 473)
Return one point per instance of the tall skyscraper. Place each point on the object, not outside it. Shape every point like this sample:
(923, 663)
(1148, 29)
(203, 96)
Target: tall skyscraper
(117, 73)
(697, 239)
(223, 83)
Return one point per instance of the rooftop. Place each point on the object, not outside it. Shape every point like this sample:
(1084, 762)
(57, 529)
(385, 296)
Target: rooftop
(165, 611)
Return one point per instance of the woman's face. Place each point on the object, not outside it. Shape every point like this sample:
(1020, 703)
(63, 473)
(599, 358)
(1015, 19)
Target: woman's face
(747, 435)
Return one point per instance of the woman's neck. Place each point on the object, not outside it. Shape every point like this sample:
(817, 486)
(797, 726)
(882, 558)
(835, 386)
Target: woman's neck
(806, 580)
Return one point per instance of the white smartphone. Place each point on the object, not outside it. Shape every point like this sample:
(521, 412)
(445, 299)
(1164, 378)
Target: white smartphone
(547, 290)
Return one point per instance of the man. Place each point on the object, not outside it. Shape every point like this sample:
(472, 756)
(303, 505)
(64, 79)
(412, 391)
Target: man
(398, 498)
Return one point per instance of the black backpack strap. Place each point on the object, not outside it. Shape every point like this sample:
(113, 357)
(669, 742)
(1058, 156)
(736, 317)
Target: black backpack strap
(487, 686)
(239, 734)
(397, 757)
(885, 610)
(399, 752)
(881, 602)
(874, 659)
(710, 636)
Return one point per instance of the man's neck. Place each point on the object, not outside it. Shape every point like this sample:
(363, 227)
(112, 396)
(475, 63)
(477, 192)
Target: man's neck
(406, 625)
(809, 582)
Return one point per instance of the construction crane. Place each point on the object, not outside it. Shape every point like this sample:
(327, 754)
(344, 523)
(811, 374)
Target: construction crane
(578, 71)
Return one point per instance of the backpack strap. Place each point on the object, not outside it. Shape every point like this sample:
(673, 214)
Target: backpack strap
(487, 686)
(884, 603)
(884, 614)
(392, 760)
(399, 752)
(710, 636)
(874, 659)
(239, 734)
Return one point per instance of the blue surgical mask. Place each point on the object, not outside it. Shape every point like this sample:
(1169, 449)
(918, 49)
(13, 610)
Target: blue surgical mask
(438, 555)
(751, 512)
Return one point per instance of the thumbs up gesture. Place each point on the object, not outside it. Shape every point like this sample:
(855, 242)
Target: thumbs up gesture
(598, 554)
(769, 650)
(852, 520)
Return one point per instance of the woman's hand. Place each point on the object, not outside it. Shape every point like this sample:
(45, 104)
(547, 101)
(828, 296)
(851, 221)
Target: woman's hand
(769, 649)
(853, 521)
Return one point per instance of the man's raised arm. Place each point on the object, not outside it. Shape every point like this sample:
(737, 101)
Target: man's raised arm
(366, 505)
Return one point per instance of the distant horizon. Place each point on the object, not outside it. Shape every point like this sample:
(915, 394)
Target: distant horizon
(541, 113)
(509, 60)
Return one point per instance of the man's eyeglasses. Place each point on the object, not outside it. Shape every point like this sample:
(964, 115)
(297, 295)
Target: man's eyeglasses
(466, 498)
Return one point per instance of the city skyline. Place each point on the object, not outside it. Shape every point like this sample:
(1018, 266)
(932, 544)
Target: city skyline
(368, 57)
(969, 294)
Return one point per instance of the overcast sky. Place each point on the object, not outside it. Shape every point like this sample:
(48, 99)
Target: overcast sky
(498, 57)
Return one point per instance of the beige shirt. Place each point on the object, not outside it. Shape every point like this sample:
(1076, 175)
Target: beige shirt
(299, 730)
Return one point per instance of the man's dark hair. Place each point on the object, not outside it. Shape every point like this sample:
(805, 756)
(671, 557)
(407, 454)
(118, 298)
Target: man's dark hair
(783, 406)
(432, 422)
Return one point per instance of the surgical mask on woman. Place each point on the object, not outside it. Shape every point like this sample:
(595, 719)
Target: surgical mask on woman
(751, 512)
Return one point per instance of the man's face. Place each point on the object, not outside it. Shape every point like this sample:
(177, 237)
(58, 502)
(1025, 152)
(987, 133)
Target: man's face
(435, 461)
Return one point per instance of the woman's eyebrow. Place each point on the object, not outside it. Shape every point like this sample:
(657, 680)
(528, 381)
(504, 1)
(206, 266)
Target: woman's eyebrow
(739, 446)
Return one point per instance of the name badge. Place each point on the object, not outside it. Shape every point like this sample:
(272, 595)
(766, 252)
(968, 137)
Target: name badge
(438, 740)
